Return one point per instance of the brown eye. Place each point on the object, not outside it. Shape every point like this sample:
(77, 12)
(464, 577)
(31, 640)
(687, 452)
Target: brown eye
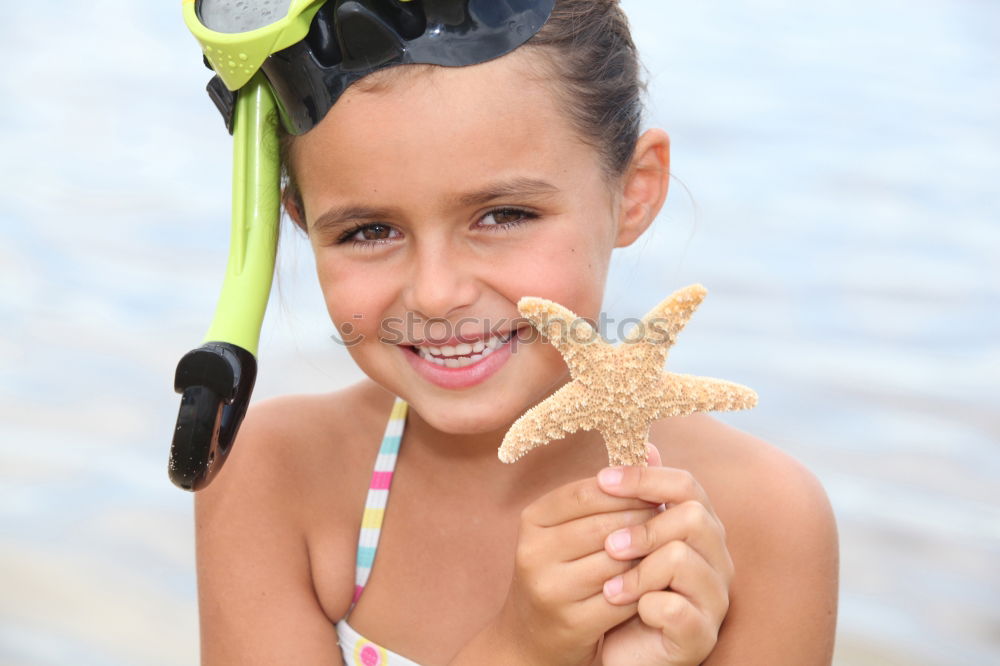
(375, 232)
(506, 217)
(369, 234)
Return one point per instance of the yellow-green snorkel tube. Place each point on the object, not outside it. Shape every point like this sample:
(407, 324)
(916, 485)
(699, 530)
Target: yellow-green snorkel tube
(288, 61)
(215, 380)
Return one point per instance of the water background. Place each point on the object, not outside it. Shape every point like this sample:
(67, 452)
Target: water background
(836, 190)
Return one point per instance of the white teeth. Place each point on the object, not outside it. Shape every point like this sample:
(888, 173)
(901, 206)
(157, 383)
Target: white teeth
(462, 354)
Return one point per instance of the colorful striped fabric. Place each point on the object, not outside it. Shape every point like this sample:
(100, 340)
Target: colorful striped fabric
(355, 648)
(378, 495)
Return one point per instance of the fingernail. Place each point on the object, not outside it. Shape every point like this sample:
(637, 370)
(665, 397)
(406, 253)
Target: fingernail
(620, 540)
(610, 477)
(650, 452)
(614, 587)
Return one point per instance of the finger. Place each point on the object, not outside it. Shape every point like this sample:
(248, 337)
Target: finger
(653, 455)
(678, 567)
(688, 634)
(689, 521)
(658, 485)
(584, 536)
(586, 577)
(555, 587)
(576, 500)
(596, 613)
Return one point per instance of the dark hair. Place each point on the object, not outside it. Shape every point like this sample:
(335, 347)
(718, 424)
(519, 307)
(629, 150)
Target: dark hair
(589, 50)
(592, 55)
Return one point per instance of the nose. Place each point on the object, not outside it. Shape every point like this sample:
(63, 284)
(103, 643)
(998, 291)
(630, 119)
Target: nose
(441, 282)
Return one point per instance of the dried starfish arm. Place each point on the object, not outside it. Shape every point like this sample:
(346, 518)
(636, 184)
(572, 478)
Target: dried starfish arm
(571, 335)
(685, 394)
(662, 324)
(560, 414)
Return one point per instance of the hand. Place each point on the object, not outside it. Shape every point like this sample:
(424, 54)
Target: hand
(556, 610)
(681, 583)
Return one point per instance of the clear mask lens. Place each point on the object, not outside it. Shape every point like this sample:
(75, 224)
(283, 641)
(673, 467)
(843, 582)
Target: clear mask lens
(235, 16)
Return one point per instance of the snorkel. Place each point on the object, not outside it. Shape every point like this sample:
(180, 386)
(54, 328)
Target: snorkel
(288, 62)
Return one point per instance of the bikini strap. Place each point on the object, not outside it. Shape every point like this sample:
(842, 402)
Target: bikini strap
(378, 496)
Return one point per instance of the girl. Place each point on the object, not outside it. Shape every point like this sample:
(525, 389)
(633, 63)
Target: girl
(435, 198)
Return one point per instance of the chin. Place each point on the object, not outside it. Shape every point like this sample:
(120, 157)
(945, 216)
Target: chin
(479, 415)
(468, 417)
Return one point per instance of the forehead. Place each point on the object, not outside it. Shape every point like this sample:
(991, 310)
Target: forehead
(441, 127)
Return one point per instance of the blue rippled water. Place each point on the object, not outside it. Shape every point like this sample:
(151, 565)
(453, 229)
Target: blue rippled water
(836, 189)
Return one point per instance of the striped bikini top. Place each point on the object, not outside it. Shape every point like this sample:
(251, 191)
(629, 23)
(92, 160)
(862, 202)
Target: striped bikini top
(355, 648)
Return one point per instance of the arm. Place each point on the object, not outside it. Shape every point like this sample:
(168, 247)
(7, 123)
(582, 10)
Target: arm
(255, 593)
(783, 600)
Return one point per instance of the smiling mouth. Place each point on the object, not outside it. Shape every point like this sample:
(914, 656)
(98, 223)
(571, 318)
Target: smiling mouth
(463, 354)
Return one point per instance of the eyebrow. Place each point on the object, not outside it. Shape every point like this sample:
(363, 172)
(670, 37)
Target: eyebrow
(507, 188)
(515, 187)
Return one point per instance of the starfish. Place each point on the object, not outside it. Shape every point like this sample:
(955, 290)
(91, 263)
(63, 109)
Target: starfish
(621, 390)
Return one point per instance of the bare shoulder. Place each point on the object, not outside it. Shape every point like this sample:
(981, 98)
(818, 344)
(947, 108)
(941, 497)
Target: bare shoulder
(292, 437)
(746, 477)
(293, 473)
(781, 534)
(302, 447)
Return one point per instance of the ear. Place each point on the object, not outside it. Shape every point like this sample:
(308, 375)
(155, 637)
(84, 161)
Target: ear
(644, 188)
(290, 199)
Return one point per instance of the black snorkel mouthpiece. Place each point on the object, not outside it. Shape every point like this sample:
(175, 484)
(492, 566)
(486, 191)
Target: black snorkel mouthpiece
(215, 382)
(288, 62)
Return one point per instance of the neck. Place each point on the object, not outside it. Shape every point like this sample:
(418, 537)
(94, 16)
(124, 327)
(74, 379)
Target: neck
(469, 463)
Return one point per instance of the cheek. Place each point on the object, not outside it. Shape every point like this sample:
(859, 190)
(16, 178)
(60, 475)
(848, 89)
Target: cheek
(354, 300)
(571, 273)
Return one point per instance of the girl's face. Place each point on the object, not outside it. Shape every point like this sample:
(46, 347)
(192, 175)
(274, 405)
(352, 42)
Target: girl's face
(434, 201)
